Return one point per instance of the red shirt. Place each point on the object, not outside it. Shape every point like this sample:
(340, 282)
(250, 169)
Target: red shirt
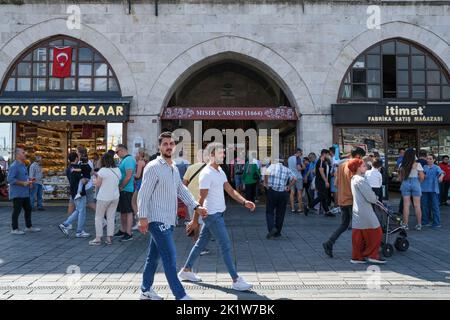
(446, 169)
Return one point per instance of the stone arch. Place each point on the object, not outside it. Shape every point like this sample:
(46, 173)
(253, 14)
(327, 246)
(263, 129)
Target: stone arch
(35, 33)
(438, 46)
(247, 51)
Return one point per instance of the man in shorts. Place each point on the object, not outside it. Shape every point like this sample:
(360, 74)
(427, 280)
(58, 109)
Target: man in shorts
(295, 164)
(127, 169)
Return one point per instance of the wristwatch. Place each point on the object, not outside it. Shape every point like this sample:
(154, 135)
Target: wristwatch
(198, 206)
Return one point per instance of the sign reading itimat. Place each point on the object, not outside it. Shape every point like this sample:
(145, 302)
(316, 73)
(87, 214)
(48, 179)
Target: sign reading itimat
(114, 112)
(390, 114)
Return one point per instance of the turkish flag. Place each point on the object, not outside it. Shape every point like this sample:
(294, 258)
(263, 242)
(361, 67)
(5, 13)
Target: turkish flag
(62, 62)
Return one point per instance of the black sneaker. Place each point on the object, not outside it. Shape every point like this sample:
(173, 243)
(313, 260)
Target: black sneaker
(306, 210)
(41, 209)
(272, 233)
(277, 235)
(328, 247)
(119, 234)
(126, 237)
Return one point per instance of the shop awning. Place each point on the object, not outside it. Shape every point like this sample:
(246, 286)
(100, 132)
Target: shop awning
(390, 114)
(229, 113)
(106, 109)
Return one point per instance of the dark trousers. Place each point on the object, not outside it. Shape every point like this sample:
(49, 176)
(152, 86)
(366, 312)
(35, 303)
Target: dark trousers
(322, 197)
(346, 218)
(444, 191)
(309, 193)
(379, 193)
(276, 209)
(250, 192)
(18, 204)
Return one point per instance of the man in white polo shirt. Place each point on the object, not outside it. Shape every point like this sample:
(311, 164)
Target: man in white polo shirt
(213, 182)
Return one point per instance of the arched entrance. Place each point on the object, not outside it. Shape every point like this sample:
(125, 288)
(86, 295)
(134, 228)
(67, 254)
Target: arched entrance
(394, 95)
(57, 95)
(233, 95)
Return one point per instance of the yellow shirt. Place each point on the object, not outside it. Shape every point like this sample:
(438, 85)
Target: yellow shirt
(194, 186)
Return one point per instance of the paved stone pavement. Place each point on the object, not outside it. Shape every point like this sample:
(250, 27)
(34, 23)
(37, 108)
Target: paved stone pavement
(48, 265)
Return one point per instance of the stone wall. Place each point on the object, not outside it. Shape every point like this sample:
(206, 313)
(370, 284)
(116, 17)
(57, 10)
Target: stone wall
(304, 46)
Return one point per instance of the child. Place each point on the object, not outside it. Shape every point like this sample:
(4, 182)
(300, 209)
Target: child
(375, 178)
(85, 170)
(430, 192)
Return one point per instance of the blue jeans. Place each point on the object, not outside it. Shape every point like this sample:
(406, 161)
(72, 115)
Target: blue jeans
(430, 205)
(162, 246)
(79, 213)
(214, 225)
(36, 191)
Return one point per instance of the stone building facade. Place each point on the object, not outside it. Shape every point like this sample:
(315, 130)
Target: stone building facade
(304, 47)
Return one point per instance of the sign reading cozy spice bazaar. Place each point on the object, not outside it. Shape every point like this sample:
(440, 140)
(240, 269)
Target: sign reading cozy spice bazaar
(353, 113)
(113, 111)
(229, 113)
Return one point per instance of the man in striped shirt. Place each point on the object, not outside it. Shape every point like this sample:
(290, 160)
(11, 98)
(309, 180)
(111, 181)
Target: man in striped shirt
(213, 182)
(157, 210)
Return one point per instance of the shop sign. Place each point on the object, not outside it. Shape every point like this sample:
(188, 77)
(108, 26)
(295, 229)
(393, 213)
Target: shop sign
(229, 113)
(390, 114)
(113, 112)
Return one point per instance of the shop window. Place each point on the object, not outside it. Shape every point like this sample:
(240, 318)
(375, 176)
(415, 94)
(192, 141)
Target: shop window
(115, 133)
(33, 71)
(368, 139)
(395, 69)
(6, 151)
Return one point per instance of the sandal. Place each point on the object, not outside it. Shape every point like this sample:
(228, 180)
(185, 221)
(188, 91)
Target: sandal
(108, 242)
(95, 242)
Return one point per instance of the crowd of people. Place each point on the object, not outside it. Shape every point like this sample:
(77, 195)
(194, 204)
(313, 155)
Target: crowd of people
(148, 192)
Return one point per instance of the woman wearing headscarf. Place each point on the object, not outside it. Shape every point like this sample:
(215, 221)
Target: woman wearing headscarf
(366, 229)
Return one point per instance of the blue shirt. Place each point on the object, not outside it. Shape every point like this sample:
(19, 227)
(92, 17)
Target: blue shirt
(431, 182)
(128, 163)
(18, 172)
(293, 161)
(399, 161)
(312, 168)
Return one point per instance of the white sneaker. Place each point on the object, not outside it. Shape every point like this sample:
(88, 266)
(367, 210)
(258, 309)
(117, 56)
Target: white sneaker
(63, 229)
(186, 297)
(32, 229)
(82, 234)
(17, 232)
(135, 227)
(78, 196)
(188, 276)
(418, 227)
(150, 295)
(241, 285)
(69, 227)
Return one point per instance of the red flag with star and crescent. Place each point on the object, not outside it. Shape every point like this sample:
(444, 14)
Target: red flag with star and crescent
(62, 62)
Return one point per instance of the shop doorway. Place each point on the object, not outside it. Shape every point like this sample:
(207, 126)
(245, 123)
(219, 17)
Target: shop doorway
(230, 85)
(396, 139)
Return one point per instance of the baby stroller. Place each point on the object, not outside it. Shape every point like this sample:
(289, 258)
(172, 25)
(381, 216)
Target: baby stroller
(390, 223)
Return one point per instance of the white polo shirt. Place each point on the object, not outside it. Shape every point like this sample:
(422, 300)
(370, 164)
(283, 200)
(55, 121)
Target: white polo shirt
(213, 180)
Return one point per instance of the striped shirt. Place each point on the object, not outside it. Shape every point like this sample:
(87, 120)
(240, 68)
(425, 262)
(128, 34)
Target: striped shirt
(161, 186)
(279, 176)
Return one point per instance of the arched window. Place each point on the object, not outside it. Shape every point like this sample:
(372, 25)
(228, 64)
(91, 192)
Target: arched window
(31, 73)
(395, 69)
